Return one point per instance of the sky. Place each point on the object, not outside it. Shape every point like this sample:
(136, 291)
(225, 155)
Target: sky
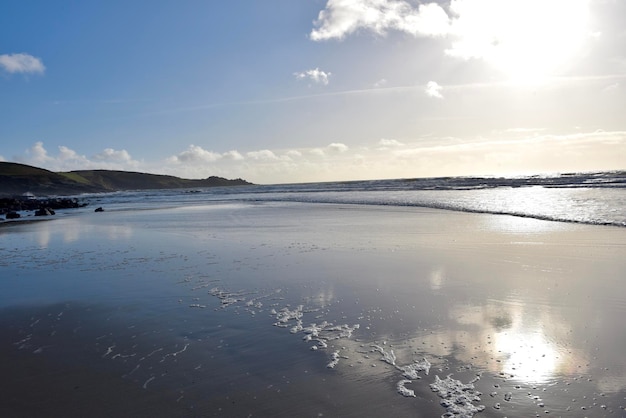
(285, 91)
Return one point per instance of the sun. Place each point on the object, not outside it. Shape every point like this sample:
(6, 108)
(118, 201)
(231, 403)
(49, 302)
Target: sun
(541, 41)
(528, 41)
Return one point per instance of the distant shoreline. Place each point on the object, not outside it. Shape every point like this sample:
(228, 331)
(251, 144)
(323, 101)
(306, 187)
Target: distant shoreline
(19, 179)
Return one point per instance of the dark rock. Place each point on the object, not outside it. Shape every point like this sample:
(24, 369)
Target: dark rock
(99, 209)
(44, 212)
(13, 215)
(13, 204)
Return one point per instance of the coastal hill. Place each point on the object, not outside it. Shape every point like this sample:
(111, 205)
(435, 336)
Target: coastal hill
(18, 179)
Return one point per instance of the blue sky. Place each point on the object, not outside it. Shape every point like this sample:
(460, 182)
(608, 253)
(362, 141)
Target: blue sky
(294, 91)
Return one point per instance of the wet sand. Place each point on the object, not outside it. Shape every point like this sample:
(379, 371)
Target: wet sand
(207, 311)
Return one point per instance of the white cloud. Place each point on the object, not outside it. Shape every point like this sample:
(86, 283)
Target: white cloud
(68, 156)
(21, 63)
(430, 20)
(36, 154)
(611, 88)
(67, 159)
(333, 148)
(317, 152)
(389, 143)
(316, 75)
(433, 90)
(524, 130)
(294, 154)
(380, 83)
(111, 155)
(262, 155)
(66, 153)
(233, 155)
(344, 17)
(337, 147)
(195, 154)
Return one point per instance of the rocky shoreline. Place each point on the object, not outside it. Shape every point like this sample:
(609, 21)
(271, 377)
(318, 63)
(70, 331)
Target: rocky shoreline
(11, 206)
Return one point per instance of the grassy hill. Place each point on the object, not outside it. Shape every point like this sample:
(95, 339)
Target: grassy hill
(128, 180)
(17, 179)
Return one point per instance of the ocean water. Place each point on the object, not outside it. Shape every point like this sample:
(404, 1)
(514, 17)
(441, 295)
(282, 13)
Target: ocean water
(335, 299)
(593, 198)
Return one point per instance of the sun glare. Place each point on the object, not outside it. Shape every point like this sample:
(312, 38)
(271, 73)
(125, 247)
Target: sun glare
(528, 357)
(542, 40)
(529, 41)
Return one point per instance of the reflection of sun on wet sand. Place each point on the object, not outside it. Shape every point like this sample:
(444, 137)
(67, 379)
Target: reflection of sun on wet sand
(532, 352)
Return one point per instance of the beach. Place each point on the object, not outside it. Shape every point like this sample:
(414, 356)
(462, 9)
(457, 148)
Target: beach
(289, 309)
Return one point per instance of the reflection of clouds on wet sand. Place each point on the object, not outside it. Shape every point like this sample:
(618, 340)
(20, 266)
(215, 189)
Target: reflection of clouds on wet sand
(109, 232)
(516, 341)
(325, 297)
(118, 232)
(70, 231)
(43, 237)
(436, 278)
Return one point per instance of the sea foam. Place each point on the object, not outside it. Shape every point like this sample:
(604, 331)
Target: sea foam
(457, 397)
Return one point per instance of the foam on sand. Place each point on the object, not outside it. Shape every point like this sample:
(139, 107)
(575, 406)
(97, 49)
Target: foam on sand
(321, 334)
(334, 360)
(410, 370)
(457, 397)
(402, 389)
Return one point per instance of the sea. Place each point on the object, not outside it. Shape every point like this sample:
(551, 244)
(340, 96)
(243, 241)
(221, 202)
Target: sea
(597, 198)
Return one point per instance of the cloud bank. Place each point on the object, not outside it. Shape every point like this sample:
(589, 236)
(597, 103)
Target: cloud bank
(519, 151)
(21, 63)
(67, 159)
